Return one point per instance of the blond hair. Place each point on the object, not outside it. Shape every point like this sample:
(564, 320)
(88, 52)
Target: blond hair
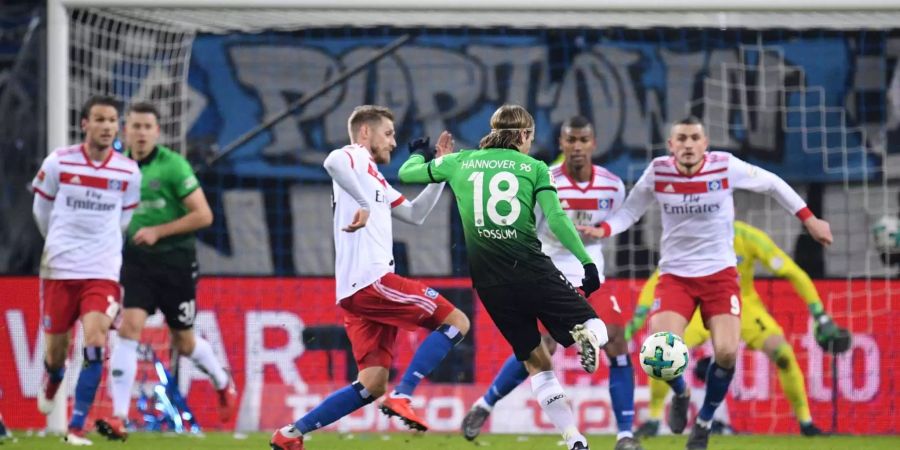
(367, 115)
(507, 122)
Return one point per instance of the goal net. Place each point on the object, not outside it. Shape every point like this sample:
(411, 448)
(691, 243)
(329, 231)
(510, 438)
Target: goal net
(816, 102)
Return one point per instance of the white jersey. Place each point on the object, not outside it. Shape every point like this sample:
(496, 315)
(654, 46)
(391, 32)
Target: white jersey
(587, 203)
(84, 233)
(698, 210)
(364, 256)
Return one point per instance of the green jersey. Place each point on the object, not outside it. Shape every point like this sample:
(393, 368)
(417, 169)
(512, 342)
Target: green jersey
(496, 192)
(167, 180)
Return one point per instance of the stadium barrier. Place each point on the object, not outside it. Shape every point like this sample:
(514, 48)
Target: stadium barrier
(283, 340)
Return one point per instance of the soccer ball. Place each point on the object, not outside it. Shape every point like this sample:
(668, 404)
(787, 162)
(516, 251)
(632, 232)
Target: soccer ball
(664, 356)
(886, 234)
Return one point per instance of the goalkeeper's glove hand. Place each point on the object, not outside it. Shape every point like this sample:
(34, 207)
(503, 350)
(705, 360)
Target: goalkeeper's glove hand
(636, 322)
(829, 336)
(591, 280)
(422, 146)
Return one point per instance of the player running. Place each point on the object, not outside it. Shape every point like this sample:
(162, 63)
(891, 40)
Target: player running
(376, 302)
(694, 189)
(160, 267)
(588, 193)
(84, 198)
(758, 329)
(496, 189)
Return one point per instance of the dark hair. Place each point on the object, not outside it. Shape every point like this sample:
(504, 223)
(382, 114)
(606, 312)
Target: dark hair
(144, 108)
(367, 114)
(95, 100)
(506, 124)
(576, 122)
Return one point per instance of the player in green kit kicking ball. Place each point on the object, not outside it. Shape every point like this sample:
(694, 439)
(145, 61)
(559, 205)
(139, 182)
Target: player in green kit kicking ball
(496, 189)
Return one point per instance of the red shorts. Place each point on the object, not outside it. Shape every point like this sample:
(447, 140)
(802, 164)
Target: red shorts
(63, 302)
(604, 304)
(718, 293)
(373, 315)
(607, 307)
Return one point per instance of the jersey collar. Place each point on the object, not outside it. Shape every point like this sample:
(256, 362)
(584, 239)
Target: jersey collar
(590, 182)
(146, 160)
(90, 162)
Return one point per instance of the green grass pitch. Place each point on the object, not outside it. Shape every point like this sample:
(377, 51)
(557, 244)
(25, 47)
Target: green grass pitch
(398, 441)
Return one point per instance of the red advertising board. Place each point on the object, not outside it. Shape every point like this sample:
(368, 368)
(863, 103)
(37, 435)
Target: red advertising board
(277, 334)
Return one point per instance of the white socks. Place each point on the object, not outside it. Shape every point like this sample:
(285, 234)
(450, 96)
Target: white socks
(597, 326)
(204, 358)
(550, 395)
(122, 368)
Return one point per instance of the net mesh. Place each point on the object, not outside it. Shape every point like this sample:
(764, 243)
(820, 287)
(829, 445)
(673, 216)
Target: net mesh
(131, 60)
(272, 218)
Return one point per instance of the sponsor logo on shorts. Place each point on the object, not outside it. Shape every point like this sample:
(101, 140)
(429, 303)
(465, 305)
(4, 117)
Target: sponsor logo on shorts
(431, 293)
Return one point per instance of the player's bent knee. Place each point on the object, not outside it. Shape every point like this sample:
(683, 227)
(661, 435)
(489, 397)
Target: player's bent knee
(549, 343)
(132, 324)
(726, 358)
(376, 387)
(459, 320)
(96, 328)
(183, 341)
(57, 349)
(374, 379)
(784, 354)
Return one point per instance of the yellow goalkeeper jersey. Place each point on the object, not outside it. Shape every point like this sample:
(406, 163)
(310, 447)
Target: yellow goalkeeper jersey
(751, 245)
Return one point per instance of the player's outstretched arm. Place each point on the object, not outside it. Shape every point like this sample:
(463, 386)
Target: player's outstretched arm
(415, 211)
(756, 179)
(819, 229)
(639, 199)
(421, 168)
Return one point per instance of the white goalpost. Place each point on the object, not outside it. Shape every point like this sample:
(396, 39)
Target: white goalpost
(142, 50)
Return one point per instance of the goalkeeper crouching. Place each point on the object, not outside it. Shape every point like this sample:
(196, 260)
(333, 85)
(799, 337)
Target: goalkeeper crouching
(758, 329)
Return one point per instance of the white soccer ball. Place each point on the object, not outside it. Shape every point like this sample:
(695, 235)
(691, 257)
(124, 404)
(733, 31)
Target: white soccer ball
(664, 355)
(886, 234)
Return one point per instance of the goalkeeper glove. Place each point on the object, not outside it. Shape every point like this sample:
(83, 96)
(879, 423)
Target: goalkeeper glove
(422, 146)
(636, 322)
(591, 280)
(829, 336)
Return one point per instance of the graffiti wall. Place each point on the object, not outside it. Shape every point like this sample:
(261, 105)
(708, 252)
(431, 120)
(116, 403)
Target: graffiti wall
(814, 107)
